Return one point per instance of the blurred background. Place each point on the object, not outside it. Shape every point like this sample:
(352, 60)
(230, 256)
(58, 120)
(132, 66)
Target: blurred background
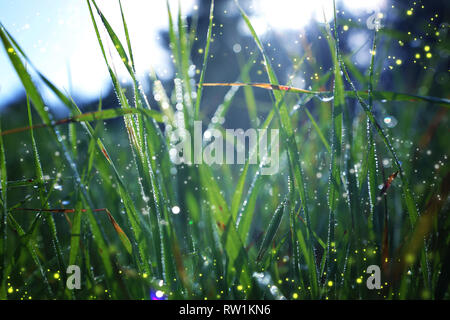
(412, 56)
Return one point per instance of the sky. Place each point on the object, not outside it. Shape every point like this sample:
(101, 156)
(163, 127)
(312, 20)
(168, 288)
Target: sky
(59, 37)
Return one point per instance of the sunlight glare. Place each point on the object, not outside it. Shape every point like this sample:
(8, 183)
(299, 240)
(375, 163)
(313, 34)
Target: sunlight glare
(294, 15)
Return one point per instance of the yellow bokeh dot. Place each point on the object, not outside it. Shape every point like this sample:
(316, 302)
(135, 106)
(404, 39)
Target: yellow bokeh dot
(10, 50)
(144, 275)
(239, 287)
(426, 48)
(409, 12)
(345, 27)
(429, 55)
(330, 283)
(10, 290)
(56, 275)
(417, 55)
(398, 62)
(359, 280)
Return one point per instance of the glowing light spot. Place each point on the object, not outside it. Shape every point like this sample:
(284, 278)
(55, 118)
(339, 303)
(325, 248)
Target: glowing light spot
(409, 12)
(345, 27)
(429, 55)
(330, 283)
(157, 295)
(144, 276)
(56, 275)
(417, 55)
(10, 290)
(426, 48)
(240, 287)
(398, 62)
(10, 50)
(200, 50)
(295, 295)
(175, 209)
(359, 280)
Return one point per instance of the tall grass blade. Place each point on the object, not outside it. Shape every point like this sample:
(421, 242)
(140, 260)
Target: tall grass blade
(205, 61)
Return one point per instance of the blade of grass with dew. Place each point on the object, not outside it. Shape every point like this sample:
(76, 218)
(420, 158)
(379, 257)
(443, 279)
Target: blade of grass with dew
(3, 217)
(30, 245)
(296, 273)
(371, 160)
(75, 239)
(103, 249)
(334, 184)
(239, 190)
(184, 47)
(75, 234)
(272, 229)
(73, 139)
(353, 202)
(247, 210)
(136, 143)
(232, 243)
(122, 235)
(408, 197)
(180, 71)
(173, 38)
(205, 61)
(162, 99)
(244, 215)
(135, 127)
(318, 130)
(38, 104)
(248, 91)
(36, 98)
(40, 178)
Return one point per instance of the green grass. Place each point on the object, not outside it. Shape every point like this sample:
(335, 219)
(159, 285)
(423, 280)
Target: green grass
(102, 198)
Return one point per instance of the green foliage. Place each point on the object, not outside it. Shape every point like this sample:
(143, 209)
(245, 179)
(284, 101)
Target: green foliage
(115, 204)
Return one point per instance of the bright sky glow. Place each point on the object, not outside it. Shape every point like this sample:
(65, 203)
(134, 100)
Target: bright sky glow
(59, 38)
